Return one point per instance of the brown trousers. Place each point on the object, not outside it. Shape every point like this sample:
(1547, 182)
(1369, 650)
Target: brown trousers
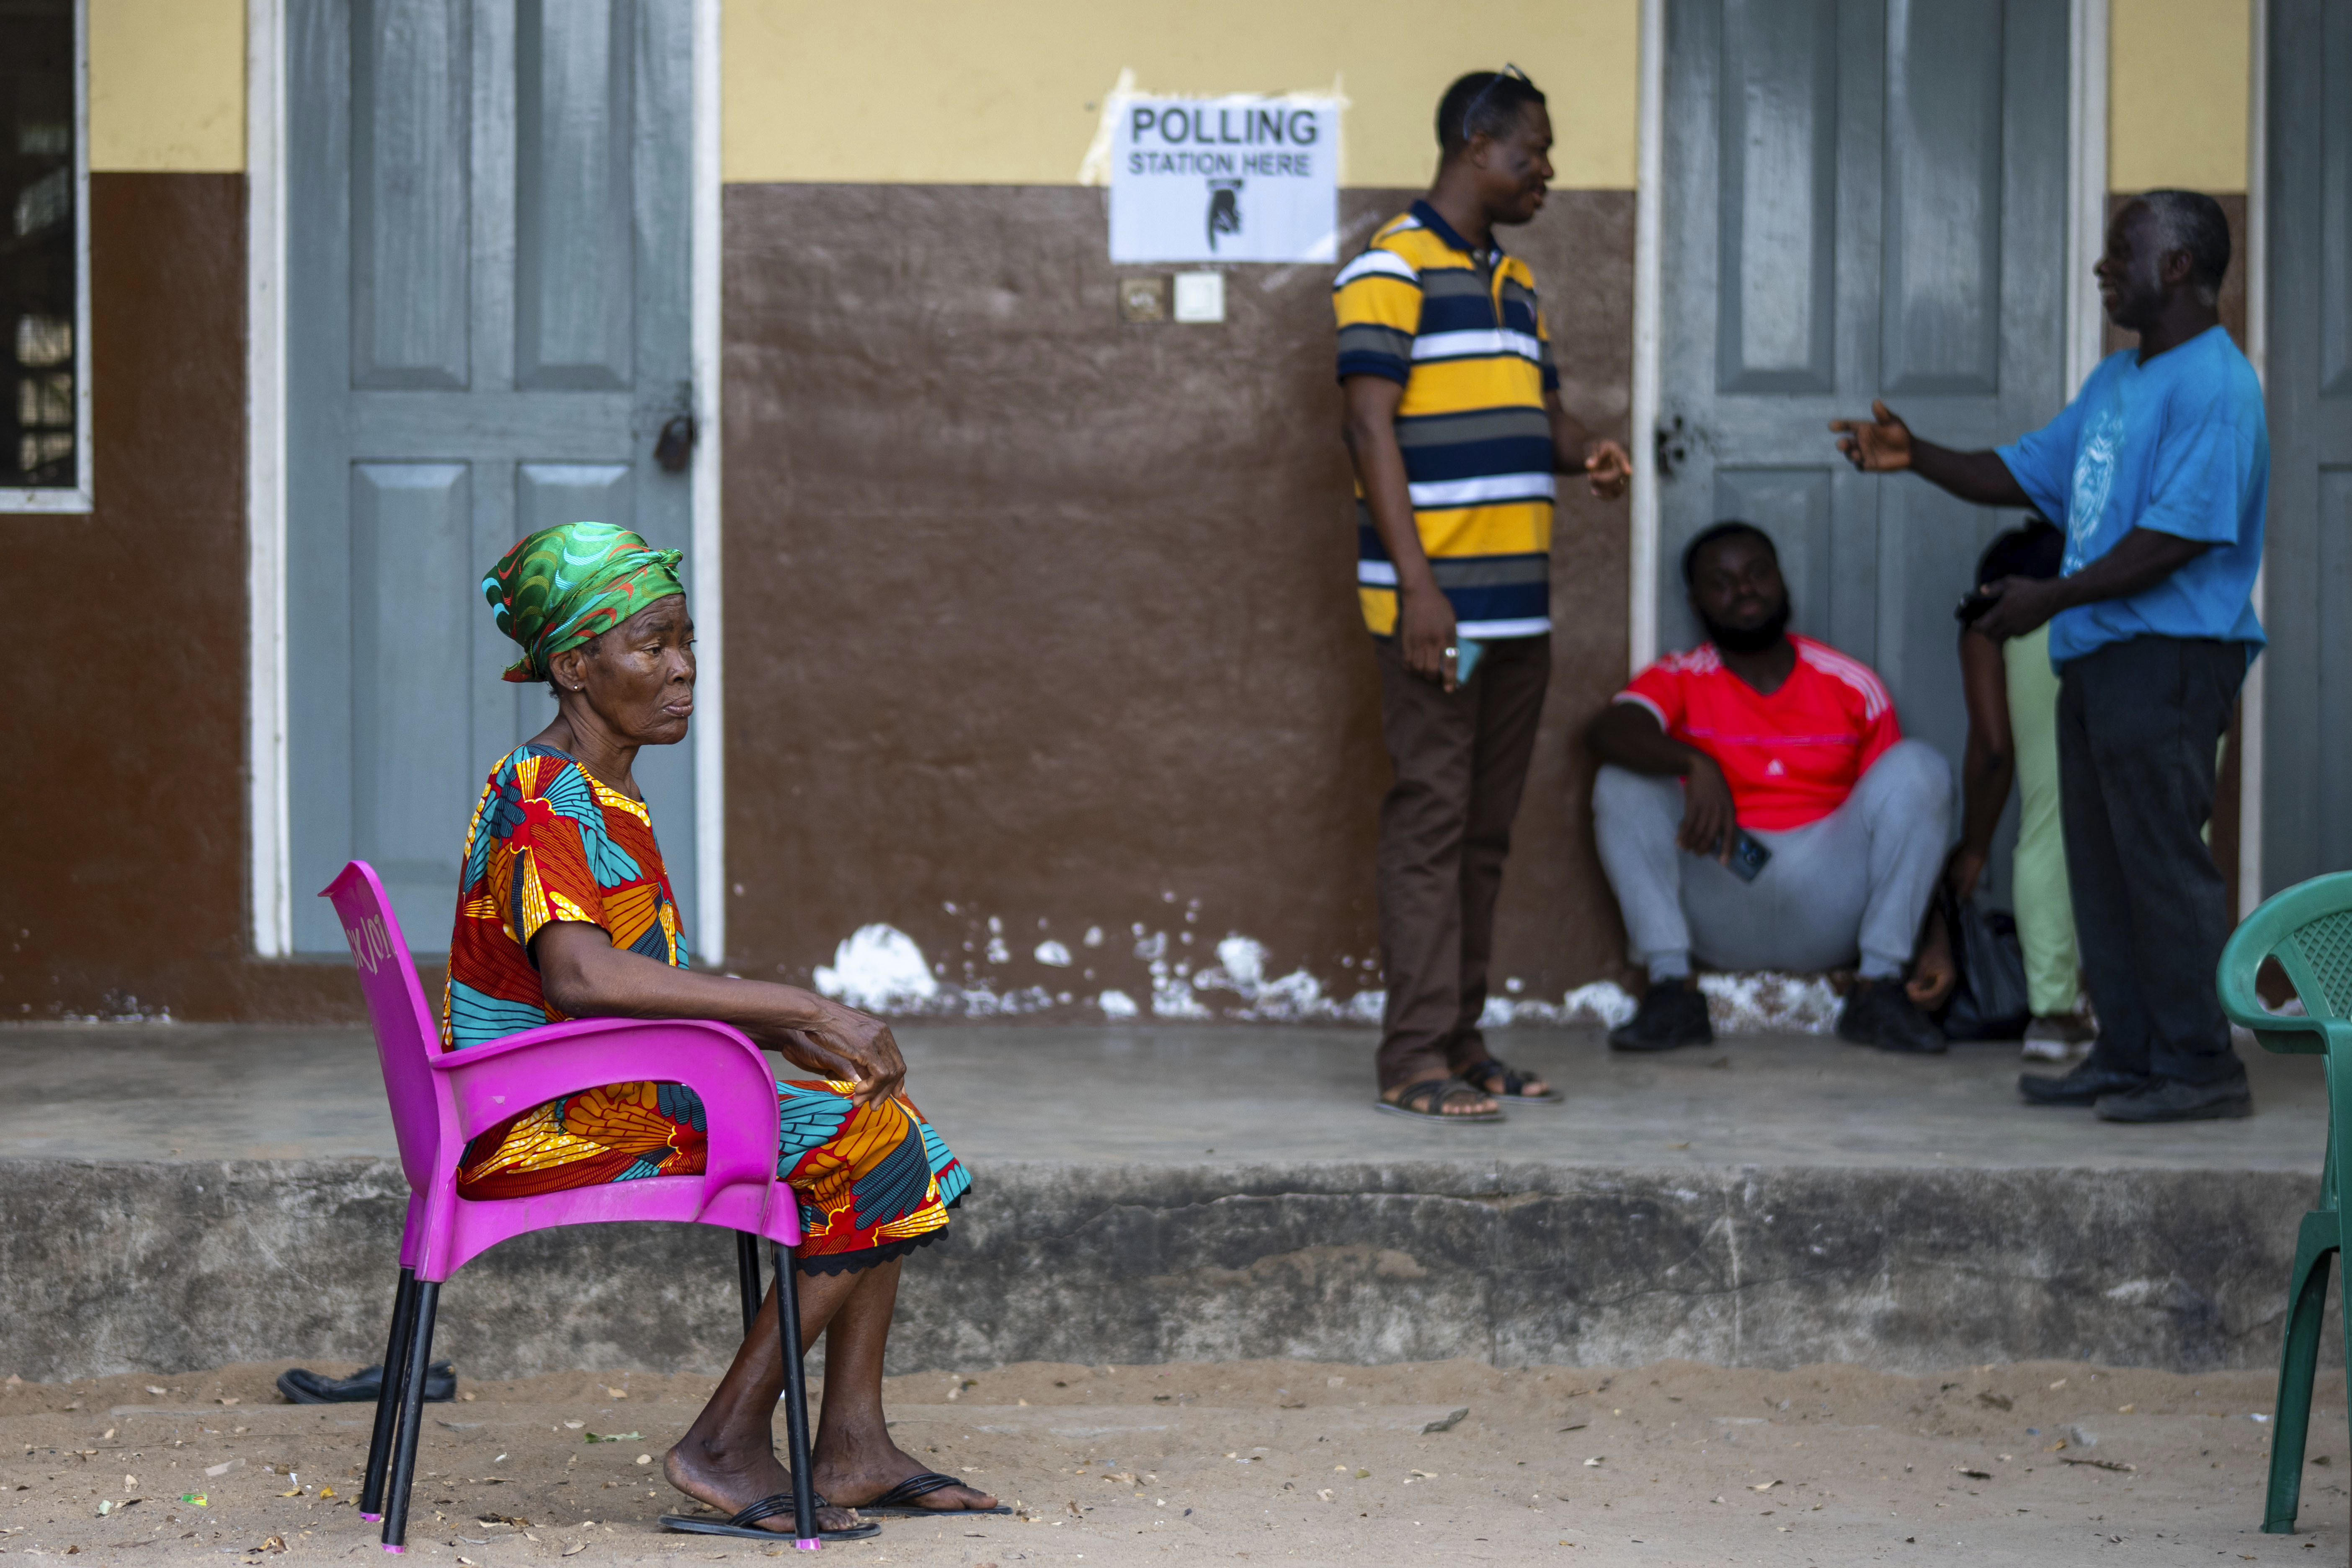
(1461, 762)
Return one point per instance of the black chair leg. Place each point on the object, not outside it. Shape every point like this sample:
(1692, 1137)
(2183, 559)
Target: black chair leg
(387, 1399)
(796, 1430)
(411, 1411)
(747, 1269)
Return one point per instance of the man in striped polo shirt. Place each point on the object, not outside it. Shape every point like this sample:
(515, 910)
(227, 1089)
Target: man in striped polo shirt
(1455, 423)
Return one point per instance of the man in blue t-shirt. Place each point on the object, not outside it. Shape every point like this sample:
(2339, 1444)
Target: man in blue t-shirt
(2158, 470)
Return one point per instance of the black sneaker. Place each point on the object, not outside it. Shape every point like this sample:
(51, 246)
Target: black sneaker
(1879, 1013)
(2088, 1084)
(2169, 1099)
(1673, 1012)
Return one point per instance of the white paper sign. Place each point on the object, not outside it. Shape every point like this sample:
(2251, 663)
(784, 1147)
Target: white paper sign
(1243, 178)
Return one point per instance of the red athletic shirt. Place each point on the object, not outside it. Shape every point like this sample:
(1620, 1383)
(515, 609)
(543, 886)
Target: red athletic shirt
(1790, 758)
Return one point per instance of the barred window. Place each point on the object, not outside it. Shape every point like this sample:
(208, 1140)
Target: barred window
(43, 258)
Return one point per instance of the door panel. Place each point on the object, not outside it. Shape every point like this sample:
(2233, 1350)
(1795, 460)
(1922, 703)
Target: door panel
(2308, 379)
(2333, 59)
(1941, 296)
(1779, 194)
(547, 494)
(1863, 199)
(410, 535)
(573, 294)
(410, 199)
(488, 302)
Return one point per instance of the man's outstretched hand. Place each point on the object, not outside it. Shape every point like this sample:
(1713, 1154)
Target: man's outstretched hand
(1880, 445)
(1610, 470)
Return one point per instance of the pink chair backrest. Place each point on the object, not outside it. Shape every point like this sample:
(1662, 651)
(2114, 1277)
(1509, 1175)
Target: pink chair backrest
(406, 1038)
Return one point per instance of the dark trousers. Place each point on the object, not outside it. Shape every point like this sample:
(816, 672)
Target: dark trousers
(2139, 723)
(1461, 760)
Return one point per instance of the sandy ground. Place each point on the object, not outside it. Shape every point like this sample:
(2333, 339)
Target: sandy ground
(1257, 1462)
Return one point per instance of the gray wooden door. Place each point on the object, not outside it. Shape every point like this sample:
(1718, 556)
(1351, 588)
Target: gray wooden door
(487, 300)
(2307, 562)
(1862, 198)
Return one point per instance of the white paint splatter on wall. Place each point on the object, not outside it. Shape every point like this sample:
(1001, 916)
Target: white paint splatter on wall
(881, 969)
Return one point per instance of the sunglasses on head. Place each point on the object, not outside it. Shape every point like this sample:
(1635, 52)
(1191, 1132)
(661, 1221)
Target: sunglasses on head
(1509, 72)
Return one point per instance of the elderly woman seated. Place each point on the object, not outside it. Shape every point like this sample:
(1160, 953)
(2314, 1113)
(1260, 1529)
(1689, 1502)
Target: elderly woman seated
(565, 911)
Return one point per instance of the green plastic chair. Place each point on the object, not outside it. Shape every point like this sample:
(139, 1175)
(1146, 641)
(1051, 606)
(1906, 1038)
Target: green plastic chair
(2308, 929)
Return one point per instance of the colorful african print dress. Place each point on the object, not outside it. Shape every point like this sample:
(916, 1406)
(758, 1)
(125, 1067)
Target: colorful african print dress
(550, 842)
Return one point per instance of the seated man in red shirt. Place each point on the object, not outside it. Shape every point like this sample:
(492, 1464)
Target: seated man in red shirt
(1756, 737)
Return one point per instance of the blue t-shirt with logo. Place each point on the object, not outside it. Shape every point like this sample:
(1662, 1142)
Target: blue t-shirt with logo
(2178, 444)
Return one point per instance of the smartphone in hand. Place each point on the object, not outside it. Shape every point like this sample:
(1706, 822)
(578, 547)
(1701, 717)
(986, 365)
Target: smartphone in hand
(1748, 855)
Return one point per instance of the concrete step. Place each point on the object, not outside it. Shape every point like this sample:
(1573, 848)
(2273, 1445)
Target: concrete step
(119, 1265)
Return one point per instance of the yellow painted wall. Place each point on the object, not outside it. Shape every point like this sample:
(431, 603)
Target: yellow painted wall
(167, 85)
(2178, 90)
(951, 92)
(931, 90)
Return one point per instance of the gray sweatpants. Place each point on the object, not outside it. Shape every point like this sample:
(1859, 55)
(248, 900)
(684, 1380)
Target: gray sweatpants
(1856, 883)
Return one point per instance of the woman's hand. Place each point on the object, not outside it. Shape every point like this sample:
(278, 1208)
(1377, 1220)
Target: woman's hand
(587, 977)
(1934, 974)
(844, 1044)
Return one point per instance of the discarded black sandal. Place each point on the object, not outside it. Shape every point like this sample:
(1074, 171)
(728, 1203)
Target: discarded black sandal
(775, 1505)
(1422, 1101)
(302, 1386)
(900, 1502)
(1514, 1084)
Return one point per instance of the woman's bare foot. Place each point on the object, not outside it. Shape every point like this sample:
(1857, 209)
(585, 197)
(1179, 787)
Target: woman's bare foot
(731, 1482)
(866, 1468)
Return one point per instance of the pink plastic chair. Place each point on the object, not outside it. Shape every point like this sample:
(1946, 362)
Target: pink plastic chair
(440, 1100)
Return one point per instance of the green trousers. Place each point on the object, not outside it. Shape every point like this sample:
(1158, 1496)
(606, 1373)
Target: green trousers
(2046, 908)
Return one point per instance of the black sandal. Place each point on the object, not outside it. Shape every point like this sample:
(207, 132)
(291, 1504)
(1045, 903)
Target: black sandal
(775, 1505)
(1515, 1083)
(899, 1502)
(1422, 1101)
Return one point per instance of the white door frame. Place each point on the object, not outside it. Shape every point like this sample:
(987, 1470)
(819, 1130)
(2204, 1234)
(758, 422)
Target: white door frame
(1649, 283)
(2251, 704)
(269, 861)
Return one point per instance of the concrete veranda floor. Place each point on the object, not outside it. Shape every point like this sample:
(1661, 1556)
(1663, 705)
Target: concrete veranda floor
(1186, 1094)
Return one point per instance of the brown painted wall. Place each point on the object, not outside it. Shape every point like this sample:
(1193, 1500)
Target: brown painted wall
(1037, 614)
(123, 859)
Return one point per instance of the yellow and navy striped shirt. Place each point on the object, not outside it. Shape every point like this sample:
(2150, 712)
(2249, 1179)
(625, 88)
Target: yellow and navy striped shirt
(1461, 332)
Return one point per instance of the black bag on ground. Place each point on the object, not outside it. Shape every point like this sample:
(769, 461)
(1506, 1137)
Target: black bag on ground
(300, 1385)
(1989, 1002)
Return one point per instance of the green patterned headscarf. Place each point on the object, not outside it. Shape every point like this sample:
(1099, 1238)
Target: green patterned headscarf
(566, 586)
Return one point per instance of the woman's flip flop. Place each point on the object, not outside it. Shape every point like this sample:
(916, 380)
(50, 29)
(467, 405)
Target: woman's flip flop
(899, 1502)
(776, 1505)
(1514, 1083)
